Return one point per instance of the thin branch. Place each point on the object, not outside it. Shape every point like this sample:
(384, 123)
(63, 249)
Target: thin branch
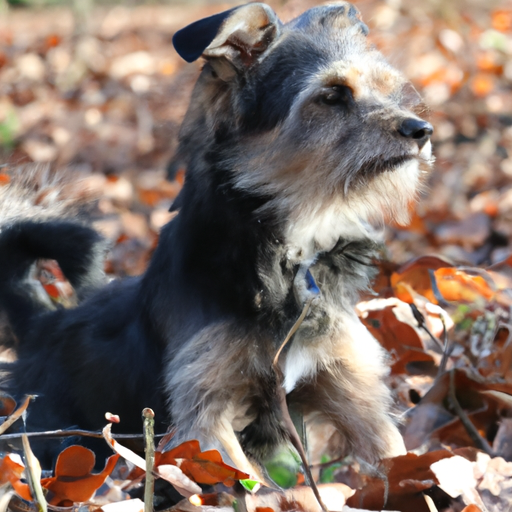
(324, 465)
(446, 349)
(34, 476)
(287, 420)
(292, 331)
(149, 445)
(71, 433)
(418, 316)
(16, 415)
(473, 433)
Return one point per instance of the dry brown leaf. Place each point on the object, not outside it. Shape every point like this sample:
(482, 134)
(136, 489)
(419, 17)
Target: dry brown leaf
(416, 274)
(301, 499)
(407, 477)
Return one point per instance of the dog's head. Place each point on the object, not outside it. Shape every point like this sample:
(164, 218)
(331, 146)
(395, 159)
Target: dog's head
(306, 114)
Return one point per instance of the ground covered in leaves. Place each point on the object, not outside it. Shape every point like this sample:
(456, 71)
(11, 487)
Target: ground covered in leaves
(100, 92)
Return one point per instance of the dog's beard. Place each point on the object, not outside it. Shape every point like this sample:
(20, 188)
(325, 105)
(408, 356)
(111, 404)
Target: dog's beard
(377, 200)
(322, 202)
(388, 195)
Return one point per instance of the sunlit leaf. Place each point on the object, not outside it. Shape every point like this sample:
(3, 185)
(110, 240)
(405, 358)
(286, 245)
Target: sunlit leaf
(74, 481)
(459, 286)
(416, 275)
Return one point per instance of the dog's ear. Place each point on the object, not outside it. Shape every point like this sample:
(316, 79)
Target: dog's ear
(239, 35)
(340, 15)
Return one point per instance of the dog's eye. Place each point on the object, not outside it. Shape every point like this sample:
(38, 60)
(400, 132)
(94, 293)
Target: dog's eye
(336, 95)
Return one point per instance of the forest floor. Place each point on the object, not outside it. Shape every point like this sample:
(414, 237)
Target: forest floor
(101, 93)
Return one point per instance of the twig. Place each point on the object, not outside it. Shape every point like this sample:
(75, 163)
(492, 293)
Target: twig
(430, 503)
(149, 448)
(295, 440)
(445, 345)
(15, 415)
(446, 349)
(34, 476)
(329, 463)
(473, 433)
(71, 433)
(287, 420)
(418, 316)
(292, 331)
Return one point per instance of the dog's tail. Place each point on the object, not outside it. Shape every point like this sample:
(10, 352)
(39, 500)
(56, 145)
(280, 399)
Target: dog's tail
(78, 249)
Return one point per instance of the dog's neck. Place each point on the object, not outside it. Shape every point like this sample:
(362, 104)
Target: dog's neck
(212, 250)
(313, 231)
(230, 254)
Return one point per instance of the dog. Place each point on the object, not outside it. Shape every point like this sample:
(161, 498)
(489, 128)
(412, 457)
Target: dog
(300, 142)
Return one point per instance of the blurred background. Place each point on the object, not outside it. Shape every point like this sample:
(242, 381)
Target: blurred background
(97, 88)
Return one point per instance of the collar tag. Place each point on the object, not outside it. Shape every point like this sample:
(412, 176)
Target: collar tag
(311, 283)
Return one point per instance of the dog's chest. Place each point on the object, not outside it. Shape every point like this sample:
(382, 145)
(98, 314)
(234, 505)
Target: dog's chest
(301, 363)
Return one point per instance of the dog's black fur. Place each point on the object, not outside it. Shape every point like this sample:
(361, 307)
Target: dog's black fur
(194, 337)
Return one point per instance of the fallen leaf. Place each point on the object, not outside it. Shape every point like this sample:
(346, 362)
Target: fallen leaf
(74, 481)
(459, 286)
(416, 274)
(390, 321)
(407, 476)
(301, 499)
(201, 467)
(134, 505)
(7, 404)
(11, 471)
(455, 475)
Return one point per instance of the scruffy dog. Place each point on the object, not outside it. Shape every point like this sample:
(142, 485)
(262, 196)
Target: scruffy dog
(299, 138)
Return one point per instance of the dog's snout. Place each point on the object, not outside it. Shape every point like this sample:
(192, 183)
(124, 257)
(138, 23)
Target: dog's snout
(416, 129)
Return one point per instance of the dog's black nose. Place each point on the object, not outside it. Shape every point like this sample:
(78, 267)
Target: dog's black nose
(416, 129)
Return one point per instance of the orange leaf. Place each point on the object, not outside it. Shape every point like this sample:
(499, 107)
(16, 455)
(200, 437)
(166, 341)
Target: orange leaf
(394, 335)
(482, 84)
(73, 480)
(150, 197)
(11, 471)
(187, 450)
(22, 489)
(202, 467)
(180, 176)
(416, 275)
(4, 178)
(472, 508)
(7, 404)
(487, 62)
(209, 468)
(502, 20)
(52, 290)
(458, 286)
(53, 40)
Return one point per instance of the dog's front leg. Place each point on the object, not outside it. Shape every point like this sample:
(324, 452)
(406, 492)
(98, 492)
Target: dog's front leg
(209, 380)
(348, 391)
(224, 433)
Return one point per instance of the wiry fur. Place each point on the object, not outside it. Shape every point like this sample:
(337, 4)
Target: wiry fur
(299, 138)
(35, 191)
